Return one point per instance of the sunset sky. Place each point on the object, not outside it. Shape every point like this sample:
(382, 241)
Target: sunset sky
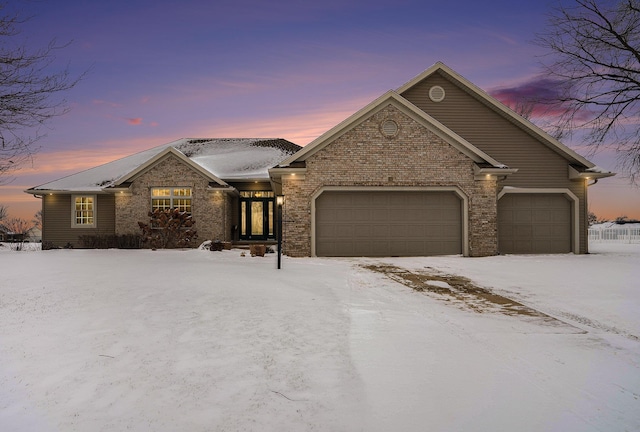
(160, 70)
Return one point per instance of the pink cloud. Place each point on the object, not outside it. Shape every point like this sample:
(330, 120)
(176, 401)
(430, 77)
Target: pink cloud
(134, 121)
(542, 92)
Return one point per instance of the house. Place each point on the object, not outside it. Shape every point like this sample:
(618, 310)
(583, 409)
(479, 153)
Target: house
(435, 167)
(223, 183)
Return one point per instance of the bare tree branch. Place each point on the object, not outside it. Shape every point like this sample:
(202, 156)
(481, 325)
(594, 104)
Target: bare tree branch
(29, 92)
(594, 50)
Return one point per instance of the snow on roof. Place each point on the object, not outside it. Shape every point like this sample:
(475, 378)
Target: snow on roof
(597, 169)
(226, 158)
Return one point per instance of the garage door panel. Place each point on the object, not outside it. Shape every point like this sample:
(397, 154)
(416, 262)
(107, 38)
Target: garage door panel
(396, 223)
(546, 231)
(534, 223)
(542, 215)
(362, 230)
(444, 232)
(401, 231)
(378, 214)
(523, 216)
(400, 200)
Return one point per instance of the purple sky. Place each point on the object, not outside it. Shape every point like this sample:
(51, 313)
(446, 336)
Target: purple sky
(163, 70)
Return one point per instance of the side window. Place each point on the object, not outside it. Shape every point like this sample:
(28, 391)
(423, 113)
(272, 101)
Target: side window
(83, 211)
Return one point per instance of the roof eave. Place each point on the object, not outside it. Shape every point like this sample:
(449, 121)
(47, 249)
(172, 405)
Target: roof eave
(575, 174)
(493, 173)
(63, 191)
(277, 174)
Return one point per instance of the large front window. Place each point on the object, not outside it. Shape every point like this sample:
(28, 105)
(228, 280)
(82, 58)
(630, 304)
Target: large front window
(83, 211)
(171, 198)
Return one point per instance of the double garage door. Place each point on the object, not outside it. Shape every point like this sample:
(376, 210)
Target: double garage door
(534, 223)
(382, 223)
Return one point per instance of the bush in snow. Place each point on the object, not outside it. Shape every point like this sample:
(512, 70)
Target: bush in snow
(167, 229)
(111, 241)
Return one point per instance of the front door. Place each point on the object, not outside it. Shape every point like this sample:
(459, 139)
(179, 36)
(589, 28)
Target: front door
(256, 215)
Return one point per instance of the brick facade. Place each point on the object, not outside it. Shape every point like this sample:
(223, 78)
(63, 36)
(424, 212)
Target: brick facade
(413, 157)
(210, 209)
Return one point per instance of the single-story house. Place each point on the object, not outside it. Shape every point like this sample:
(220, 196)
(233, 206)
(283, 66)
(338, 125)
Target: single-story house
(223, 183)
(435, 167)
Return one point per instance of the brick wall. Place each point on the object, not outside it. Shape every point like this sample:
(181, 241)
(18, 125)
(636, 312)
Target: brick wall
(210, 209)
(414, 157)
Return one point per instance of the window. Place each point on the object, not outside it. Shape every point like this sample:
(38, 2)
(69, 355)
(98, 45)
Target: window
(257, 194)
(171, 198)
(83, 211)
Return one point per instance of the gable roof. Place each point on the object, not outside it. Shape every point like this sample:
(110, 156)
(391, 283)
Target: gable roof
(219, 159)
(502, 109)
(393, 98)
(164, 153)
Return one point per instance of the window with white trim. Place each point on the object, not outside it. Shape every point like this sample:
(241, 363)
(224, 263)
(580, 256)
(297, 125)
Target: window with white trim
(83, 211)
(164, 198)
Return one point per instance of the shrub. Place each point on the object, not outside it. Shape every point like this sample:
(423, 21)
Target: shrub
(111, 241)
(48, 245)
(168, 229)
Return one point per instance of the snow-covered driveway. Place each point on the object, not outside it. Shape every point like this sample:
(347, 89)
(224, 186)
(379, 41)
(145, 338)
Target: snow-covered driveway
(202, 341)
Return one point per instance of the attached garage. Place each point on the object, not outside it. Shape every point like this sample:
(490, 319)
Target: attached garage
(534, 223)
(388, 223)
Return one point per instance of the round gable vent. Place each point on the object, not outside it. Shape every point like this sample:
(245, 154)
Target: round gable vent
(436, 94)
(389, 128)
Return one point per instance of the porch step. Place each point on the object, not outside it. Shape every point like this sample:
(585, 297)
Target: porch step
(246, 244)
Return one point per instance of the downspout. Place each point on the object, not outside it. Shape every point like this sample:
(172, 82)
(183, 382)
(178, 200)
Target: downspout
(586, 210)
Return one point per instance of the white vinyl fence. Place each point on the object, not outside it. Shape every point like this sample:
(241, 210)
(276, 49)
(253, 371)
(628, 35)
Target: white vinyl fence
(620, 234)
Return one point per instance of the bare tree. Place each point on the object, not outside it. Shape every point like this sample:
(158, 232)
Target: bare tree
(3, 213)
(29, 92)
(19, 229)
(37, 219)
(594, 51)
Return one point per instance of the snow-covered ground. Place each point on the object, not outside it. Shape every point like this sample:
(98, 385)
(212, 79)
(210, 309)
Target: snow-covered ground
(113, 340)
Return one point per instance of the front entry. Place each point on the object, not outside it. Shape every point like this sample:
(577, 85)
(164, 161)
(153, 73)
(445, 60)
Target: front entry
(256, 215)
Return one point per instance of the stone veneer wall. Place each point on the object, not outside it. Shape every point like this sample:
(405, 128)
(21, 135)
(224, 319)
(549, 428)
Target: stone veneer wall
(210, 209)
(413, 157)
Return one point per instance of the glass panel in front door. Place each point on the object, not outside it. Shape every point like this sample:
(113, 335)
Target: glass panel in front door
(257, 218)
(243, 218)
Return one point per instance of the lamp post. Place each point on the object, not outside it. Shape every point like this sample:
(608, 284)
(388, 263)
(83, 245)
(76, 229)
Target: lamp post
(279, 203)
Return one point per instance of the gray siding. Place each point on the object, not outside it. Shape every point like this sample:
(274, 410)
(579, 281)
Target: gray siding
(56, 219)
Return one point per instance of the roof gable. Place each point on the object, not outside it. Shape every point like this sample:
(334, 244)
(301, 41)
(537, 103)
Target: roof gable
(392, 97)
(161, 156)
(500, 108)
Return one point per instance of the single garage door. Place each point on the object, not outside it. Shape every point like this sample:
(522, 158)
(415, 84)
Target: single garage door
(534, 223)
(369, 223)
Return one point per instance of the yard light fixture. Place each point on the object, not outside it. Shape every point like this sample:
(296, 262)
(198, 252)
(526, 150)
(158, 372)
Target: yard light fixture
(279, 203)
